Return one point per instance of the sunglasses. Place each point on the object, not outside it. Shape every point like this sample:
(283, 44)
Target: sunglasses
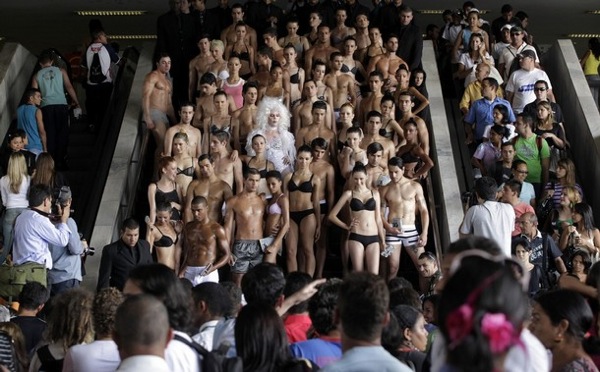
(539, 89)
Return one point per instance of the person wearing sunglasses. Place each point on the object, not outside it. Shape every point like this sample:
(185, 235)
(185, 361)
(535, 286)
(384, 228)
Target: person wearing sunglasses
(489, 218)
(540, 89)
(519, 86)
(517, 45)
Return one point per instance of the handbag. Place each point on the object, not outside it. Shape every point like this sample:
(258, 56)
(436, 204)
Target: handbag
(14, 277)
(556, 154)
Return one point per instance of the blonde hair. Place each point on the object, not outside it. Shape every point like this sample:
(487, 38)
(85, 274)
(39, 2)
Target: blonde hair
(217, 44)
(573, 194)
(16, 172)
(550, 119)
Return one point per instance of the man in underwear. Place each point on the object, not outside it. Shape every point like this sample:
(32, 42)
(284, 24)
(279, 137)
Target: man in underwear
(157, 108)
(205, 246)
(387, 63)
(374, 124)
(194, 136)
(341, 84)
(317, 129)
(302, 115)
(405, 104)
(200, 65)
(323, 170)
(247, 210)
(245, 118)
(228, 35)
(373, 101)
(404, 200)
(205, 106)
(215, 190)
(376, 174)
(322, 49)
(226, 169)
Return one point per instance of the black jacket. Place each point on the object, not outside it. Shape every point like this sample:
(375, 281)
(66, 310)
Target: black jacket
(117, 260)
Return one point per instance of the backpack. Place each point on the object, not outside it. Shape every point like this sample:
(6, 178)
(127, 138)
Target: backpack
(95, 72)
(215, 360)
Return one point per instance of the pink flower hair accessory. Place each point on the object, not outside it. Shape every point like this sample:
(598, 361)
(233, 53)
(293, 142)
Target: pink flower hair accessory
(459, 324)
(499, 331)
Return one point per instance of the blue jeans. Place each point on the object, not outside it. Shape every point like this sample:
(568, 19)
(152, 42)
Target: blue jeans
(8, 223)
(57, 288)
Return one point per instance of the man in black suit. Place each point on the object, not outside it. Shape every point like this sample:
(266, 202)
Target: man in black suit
(120, 257)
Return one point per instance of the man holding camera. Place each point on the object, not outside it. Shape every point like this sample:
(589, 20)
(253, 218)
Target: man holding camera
(66, 260)
(35, 230)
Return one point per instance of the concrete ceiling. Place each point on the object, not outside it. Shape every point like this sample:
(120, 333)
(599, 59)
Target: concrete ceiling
(39, 24)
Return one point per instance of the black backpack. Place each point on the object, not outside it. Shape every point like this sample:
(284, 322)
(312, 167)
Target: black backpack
(215, 360)
(95, 75)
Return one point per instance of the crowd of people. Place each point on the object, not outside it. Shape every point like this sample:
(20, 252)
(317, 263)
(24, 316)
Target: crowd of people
(284, 136)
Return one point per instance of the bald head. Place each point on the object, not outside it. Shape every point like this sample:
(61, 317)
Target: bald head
(142, 327)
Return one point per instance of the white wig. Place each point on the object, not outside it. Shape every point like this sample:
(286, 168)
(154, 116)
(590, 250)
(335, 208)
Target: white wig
(265, 107)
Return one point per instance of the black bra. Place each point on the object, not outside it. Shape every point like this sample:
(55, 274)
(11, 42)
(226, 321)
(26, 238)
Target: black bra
(356, 205)
(305, 186)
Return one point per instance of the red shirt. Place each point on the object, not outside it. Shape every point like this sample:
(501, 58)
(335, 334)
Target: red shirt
(296, 327)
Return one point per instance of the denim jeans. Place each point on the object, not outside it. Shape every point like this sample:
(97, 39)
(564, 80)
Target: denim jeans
(8, 223)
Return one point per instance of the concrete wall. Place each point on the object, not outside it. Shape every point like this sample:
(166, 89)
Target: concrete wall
(16, 67)
(444, 174)
(122, 181)
(582, 121)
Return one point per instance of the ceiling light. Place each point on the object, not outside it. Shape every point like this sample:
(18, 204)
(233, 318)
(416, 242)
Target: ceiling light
(131, 37)
(440, 11)
(107, 13)
(595, 12)
(582, 36)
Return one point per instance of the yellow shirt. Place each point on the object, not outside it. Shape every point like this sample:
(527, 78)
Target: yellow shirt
(590, 67)
(473, 93)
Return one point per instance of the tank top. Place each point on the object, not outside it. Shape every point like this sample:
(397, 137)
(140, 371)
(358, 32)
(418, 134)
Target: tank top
(235, 91)
(590, 67)
(50, 82)
(27, 122)
(170, 196)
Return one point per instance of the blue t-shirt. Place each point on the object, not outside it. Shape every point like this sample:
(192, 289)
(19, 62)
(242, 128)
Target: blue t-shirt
(321, 351)
(27, 122)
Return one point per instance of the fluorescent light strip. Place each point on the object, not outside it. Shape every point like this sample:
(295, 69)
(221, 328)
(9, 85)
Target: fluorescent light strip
(582, 36)
(131, 37)
(95, 13)
(440, 11)
(595, 12)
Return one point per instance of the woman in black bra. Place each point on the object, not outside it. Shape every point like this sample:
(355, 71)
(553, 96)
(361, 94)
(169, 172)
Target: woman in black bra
(243, 51)
(260, 162)
(305, 214)
(164, 236)
(366, 235)
(166, 189)
(187, 166)
(416, 161)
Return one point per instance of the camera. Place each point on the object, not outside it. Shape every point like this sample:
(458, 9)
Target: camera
(88, 251)
(61, 198)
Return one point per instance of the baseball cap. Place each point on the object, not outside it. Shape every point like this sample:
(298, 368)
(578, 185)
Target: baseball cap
(527, 53)
(515, 29)
(507, 26)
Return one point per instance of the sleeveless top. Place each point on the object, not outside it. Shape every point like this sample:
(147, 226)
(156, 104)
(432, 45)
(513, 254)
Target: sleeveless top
(235, 91)
(27, 122)
(590, 67)
(50, 82)
(171, 196)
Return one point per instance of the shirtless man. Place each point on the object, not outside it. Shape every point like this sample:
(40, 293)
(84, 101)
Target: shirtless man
(194, 137)
(326, 193)
(302, 115)
(247, 210)
(228, 36)
(341, 85)
(373, 101)
(205, 106)
(245, 118)
(405, 104)
(362, 32)
(405, 199)
(157, 108)
(321, 50)
(226, 169)
(388, 62)
(208, 185)
(199, 65)
(270, 40)
(374, 124)
(376, 174)
(163, 236)
(219, 120)
(264, 61)
(317, 129)
(205, 246)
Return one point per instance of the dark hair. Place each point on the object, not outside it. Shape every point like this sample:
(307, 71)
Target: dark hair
(376, 73)
(514, 185)
(387, 97)
(294, 282)
(585, 258)
(372, 114)
(391, 337)
(304, 148)
(407, 317)
(214, 295)
(235, 298)
(274, 174)
(251, 172)
(516, 163)
(521, 15)
(104, 308)
(405, 296)
(220, 92)
(506, 8)
(362, 305)
(141, 320)
(320, 143)
(264, 283)
(163, 206)
(30, 92)
(37, 194)
(594, 44)
(523, 242)
(567, 305)
(248, 85)
(486, 287)
(414, 73)
(265, 51)
(486, 188)
(398, 283)
(260, 338)
(374, 147)
(492, 82)
(206, 157)
(70, 320)
(199, 199)
(319, 105)
(161, 282)
(587, 215)
(319, 62)
(396, 161)
(129, 224)
(503, 131)
(209, 79)
(474, 242)
(33, 295)
(321, 307)
(359, 167)
(504, 112)
(527, 119)
(334, 55)
(221, 135)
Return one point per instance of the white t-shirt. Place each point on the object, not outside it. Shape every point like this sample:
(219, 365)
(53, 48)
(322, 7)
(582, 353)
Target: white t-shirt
(492, 220)
(521, 84)
(509, 53)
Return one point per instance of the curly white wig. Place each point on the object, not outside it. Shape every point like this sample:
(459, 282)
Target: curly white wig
(268, 104)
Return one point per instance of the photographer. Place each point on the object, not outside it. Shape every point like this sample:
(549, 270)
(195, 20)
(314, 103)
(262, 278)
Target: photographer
(35, 230)
(66, 260)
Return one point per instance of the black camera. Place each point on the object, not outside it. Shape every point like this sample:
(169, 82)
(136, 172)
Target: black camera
(61, 198)
(89, 251)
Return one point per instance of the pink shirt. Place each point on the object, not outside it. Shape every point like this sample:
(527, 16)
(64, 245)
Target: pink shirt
(519, 210)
